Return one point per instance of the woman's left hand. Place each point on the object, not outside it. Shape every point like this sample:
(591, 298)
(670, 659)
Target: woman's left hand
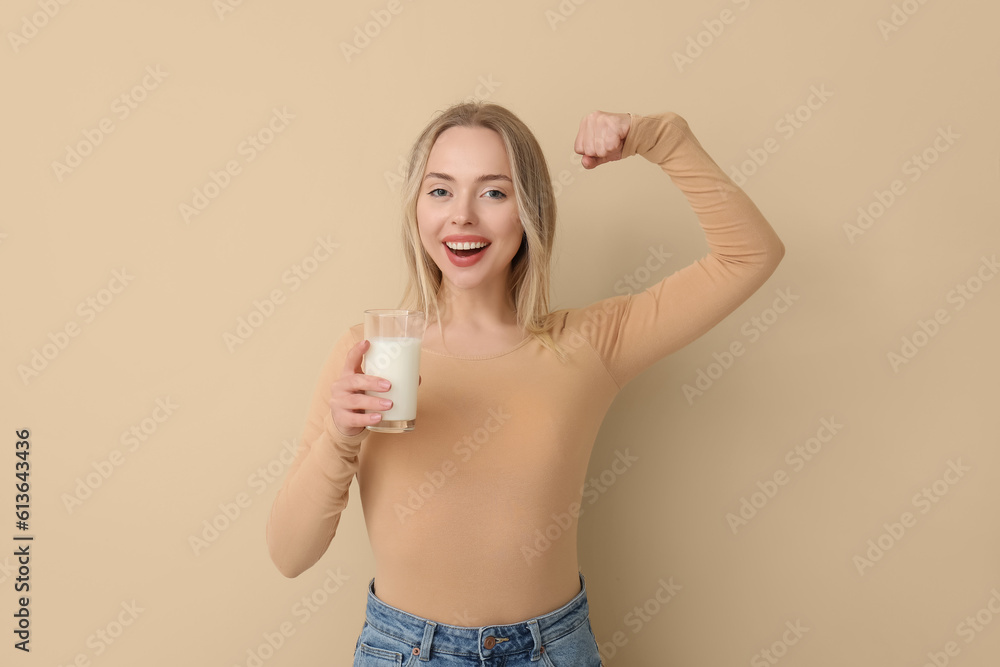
(601, 137)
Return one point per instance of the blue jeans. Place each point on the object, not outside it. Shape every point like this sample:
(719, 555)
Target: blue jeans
(391, 637)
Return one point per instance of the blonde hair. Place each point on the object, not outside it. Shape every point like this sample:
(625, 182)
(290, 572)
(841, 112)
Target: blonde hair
(528, 283)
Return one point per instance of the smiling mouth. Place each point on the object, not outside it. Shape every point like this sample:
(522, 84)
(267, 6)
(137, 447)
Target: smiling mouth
(467, 253)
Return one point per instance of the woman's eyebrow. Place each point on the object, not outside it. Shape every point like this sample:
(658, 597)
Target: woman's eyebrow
(480, 179)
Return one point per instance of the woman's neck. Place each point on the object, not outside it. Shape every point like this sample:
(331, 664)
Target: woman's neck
(461, 311)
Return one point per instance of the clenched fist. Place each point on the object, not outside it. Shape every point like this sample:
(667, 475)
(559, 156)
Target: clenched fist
(602, 137)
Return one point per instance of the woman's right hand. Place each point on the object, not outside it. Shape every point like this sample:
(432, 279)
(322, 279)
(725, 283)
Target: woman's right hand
(348, 399)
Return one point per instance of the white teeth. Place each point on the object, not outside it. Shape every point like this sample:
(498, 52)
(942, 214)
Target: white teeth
(465, 246)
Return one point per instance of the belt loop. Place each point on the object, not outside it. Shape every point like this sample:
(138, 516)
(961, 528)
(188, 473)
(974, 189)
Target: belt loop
(536, 653)
(425, 643)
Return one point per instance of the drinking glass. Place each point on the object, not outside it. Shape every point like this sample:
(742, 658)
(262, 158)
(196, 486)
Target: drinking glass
(394, 354)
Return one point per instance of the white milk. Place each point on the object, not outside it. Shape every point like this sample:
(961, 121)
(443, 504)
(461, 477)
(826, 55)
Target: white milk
(398, 361)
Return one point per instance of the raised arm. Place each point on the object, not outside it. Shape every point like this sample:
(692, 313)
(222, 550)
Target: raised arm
(636, 330)
(306, 511)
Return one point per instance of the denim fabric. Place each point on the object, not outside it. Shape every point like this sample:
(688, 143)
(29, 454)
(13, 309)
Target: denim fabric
(391, 637)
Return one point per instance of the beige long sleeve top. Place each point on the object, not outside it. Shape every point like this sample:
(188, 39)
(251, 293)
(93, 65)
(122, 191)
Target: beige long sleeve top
(471, 516)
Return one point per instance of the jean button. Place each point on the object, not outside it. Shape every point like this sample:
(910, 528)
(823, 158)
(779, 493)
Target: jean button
(490, 642)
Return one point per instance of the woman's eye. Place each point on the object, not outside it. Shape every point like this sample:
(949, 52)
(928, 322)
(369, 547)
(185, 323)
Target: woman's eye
(494, 194)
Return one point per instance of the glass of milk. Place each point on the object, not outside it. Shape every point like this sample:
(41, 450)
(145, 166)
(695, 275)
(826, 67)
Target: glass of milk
(394, 354)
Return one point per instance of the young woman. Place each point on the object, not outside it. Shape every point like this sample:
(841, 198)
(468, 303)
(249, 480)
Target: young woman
(472, 516)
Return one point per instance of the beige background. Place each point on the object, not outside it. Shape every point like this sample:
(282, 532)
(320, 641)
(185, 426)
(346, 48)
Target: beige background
(328, 174)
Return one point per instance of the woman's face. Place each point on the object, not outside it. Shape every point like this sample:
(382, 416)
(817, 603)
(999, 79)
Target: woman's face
(467, 194)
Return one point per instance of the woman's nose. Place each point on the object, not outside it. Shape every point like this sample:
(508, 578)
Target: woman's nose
(463, 210)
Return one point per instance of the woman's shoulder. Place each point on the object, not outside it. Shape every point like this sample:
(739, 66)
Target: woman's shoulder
(593, 311)
(584, 319)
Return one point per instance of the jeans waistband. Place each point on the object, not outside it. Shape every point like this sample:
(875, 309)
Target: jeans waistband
(484, 641)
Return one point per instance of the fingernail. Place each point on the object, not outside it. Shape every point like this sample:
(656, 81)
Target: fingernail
(383, 384)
